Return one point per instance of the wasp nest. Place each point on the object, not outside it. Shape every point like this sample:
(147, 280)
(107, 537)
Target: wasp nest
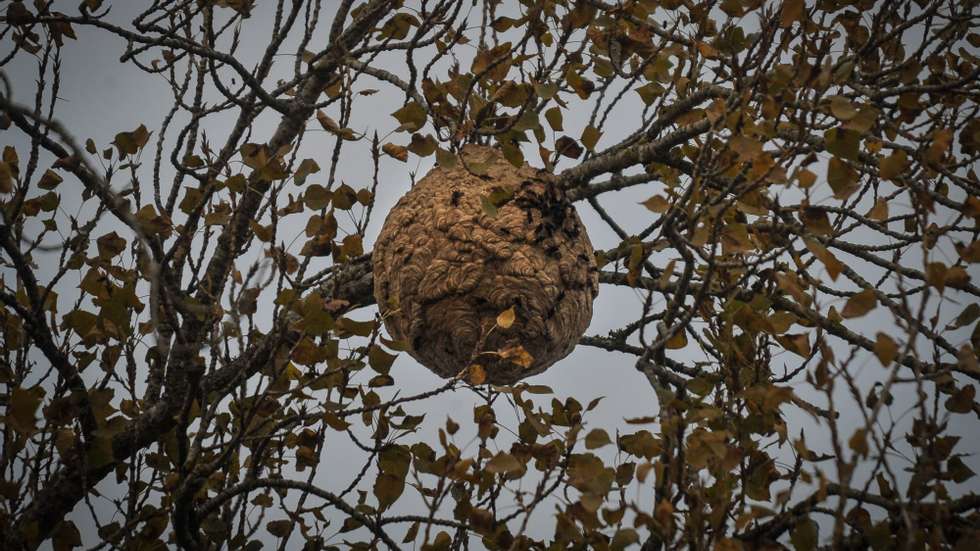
(460, 249)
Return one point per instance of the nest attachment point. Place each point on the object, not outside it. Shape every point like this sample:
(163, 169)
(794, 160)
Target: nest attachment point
(475, 240)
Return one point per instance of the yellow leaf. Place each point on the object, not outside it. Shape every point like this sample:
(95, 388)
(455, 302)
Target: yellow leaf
(677, 341)
(506, 318)
(518, 355)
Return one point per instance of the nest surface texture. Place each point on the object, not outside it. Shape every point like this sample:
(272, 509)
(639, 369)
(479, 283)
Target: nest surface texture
(445, 267)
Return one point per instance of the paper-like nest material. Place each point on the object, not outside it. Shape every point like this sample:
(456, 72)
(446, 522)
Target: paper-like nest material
(445, 267)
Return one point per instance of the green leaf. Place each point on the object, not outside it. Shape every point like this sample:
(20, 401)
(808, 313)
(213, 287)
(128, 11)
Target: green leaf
(512, 152)
(623, 538)
(545, 90)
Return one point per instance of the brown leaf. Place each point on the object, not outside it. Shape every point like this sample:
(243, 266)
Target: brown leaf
(568, 147)
(411, 116)
(504, 463)
(816, 221)
(476, 375)
(936, 275)
(891, 167)
(791, 11)
(860, 304)
(886, 349)
(396, 151)
(590, 137)
(830, 262)
(596, 438)
(657, 204)
(859, 442)
(843, 179)
(388, 488)
(796, 343)
(842, 108)
(962, 400)
(554, 118)
(746, 147)
(879, 211)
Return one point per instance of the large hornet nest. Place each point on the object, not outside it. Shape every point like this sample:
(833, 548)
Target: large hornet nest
(460, 284)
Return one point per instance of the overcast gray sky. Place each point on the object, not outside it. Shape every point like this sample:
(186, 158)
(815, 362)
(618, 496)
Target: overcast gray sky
(100, 97)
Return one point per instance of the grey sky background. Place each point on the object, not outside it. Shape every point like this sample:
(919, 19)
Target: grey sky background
(99, 97)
